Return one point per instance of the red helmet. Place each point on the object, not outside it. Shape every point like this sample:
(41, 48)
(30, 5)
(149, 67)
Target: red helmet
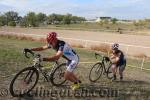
(51, 37)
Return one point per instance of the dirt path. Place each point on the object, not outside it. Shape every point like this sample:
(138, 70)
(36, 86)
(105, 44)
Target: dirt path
(136, 40)
(134, 87)
(85, 35)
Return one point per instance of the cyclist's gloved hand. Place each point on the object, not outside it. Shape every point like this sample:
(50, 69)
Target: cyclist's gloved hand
(107, 59)
(27, 50)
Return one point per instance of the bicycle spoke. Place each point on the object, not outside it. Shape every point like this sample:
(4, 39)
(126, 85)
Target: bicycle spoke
(24, 81)
(58, 75)
(95, 72)
(109, 72)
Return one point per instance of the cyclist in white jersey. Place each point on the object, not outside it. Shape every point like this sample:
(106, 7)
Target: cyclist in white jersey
(62, 50)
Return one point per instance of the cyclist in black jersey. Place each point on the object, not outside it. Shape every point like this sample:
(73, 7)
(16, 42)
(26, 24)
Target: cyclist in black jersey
(62, 50)
(118, 60)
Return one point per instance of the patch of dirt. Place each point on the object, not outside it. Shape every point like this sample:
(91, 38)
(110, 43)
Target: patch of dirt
(135, 86)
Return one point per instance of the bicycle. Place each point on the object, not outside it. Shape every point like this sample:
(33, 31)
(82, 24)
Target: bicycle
(28, 77)
(97, 69)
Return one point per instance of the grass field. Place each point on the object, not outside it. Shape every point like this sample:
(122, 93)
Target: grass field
(136, 84)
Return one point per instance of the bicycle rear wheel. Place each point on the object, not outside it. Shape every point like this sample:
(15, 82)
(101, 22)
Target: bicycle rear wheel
(109, 72)
(24, 81)
(57, 76)
(96, 72)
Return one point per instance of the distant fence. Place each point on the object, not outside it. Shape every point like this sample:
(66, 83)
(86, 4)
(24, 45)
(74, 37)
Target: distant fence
(139, 55)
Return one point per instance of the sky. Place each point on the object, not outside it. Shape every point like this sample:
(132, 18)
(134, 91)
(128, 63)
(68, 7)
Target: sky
(90, 9)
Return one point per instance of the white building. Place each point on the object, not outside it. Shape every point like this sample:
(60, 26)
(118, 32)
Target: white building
(103, 18)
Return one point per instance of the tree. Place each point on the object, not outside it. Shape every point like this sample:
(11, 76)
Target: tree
(54, 19)
(114, 20)
(41, 18)
(31, 19)
(75, 19)
(23, 22)
(3, 20)
(60, 18)
(67, 19)
(11, 23)
(11, 16)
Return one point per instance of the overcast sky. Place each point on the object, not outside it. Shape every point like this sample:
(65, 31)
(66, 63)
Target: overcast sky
(122, 9)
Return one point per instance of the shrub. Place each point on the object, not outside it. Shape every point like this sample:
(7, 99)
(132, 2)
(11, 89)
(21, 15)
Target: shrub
(11, 23)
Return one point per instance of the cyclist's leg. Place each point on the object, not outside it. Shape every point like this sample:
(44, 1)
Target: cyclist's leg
(121, 70)
(114, 70)
(69, 75)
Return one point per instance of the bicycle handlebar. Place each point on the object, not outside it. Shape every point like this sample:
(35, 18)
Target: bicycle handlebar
(26, 53)
(97, 54)
(103, 57)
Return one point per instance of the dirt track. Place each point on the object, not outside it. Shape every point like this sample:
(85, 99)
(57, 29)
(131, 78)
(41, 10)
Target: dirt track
(137, 40)
(85, 35)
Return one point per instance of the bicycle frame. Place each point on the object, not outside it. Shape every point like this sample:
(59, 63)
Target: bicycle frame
(38, 66)
(102, 61)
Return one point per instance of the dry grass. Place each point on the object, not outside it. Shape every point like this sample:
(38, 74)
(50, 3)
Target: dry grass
(105, 48)
(77, 45)
(101, 47)
(140, 56)
(21, 37)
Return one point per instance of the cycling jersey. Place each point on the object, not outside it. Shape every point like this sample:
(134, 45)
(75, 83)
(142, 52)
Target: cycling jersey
(68, 53)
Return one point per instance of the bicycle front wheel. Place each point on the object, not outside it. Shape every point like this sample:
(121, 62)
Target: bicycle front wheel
(96, 72)
(109, 72)
(24, 81)
(57, 76)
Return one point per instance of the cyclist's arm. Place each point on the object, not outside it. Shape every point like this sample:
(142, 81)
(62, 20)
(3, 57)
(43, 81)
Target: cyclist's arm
(114, 59)
(40, 48)
(55, 57)
(118, 57)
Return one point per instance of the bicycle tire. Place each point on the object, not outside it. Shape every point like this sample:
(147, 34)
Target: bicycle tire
(11, 88)
(98, 67)
(109, 72)
(52, 76)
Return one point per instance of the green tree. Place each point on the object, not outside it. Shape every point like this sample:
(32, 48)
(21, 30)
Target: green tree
(60, 18)
(23, 22)
(2, 20)
(11, 16)
(41, 18)
(52, 19)
(12, 23)
(114, 20)
(67, 19)
(31, 19)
